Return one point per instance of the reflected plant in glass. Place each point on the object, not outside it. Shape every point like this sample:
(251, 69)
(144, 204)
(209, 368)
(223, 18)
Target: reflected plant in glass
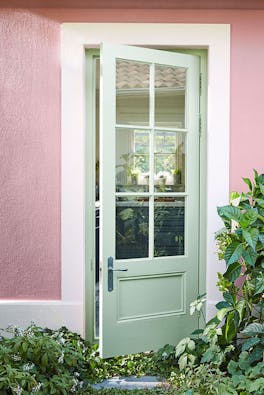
(169, 221)
(132, 227)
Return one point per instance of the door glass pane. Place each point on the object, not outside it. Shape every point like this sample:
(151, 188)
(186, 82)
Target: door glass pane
(132, 160)
(170, 96)
(132, 93)
(169, 221)
(169, 161)
(132, 227)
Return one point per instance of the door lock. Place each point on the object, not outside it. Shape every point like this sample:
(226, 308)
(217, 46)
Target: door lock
(110, 266)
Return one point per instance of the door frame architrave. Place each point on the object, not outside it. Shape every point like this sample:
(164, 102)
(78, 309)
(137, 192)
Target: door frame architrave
(75, 38)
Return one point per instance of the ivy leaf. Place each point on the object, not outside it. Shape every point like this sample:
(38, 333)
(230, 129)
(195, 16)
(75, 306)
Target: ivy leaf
(210, 354)
(233, 368)
(233, 252)
(243, 362)
(233, 272)
(250, 256)
(250, 343)
(256, 355)
(256, 385)
(183, 345)
(183, 361)
(251, 237)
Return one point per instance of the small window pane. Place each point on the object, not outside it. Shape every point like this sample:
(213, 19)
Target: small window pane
(170, 96)
(169, 161)
(132, 227)
(132, 160)
(169, 218)
(132, 93)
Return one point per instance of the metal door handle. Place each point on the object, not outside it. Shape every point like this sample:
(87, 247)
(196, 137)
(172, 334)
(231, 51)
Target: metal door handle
(110, 266)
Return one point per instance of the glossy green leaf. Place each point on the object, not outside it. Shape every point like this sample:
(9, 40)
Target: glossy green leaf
(231, 326)
(261, 187)
(221, 314)
(254, 329)
(251, 237)
(250, 256)
(248, 182)
(257, 385)
(233, 252)
(259, 284)
(261, 238)
(228, 298)
(221, 305)
(233, 272)
(249, 218)
(250, 343)
(230, 213)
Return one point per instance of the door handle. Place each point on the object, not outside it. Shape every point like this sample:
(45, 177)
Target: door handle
(110, 267)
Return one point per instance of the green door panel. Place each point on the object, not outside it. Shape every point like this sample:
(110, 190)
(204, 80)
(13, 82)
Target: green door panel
(149, 185)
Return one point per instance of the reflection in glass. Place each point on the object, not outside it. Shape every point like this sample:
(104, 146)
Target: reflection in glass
(170, 96)
(132, 160)
(132, 227)
(132, 93)
(169, 161)
(169, 226)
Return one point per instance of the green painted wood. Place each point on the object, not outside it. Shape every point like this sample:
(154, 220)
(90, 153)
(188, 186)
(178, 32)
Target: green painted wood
(149, 305)
(90, 197)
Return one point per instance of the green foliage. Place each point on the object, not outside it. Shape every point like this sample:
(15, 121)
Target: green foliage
(46, 362)
(202, 379)
(233, 341)
(42, 361)
(241, 245)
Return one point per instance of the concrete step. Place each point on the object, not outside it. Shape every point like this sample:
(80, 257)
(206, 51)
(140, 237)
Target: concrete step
(130, 383)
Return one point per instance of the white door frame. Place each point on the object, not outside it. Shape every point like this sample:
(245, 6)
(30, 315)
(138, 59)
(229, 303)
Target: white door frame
(75, 38)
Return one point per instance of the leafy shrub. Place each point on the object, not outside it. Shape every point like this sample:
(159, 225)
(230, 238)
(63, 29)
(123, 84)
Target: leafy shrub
(45, 361)
(41, 361)
(234, 339)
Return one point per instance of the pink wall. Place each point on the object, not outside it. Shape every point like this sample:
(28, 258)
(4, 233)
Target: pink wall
(247, 65)
(29, 156)
(30, 129)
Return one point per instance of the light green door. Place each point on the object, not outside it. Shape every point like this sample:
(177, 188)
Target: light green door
(149, 185)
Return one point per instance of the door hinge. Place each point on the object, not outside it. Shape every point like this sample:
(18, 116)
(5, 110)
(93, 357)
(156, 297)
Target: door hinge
(200, 84)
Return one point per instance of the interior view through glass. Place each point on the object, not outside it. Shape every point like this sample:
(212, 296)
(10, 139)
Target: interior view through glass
(150, 163)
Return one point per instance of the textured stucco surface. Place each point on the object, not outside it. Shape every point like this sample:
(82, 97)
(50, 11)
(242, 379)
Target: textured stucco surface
(29, 156)
(30, 129)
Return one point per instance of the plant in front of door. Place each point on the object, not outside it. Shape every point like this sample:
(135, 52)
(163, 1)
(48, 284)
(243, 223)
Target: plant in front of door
(234, 339)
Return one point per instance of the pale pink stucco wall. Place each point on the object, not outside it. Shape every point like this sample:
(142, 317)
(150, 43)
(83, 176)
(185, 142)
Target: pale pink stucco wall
(29, 156)
(30, 129)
